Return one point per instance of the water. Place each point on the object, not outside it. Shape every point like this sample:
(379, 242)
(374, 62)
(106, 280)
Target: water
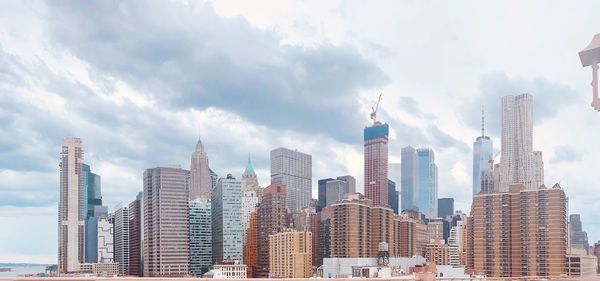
(20, 270)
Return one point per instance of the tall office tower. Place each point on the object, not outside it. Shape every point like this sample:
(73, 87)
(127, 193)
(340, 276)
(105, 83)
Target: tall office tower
(350, 182)
(350, 231)
(251, 195)
(71, 214)
(91, 226)
(409, 184)
(519, 233)
(455, 245)
(577, 237)
(294, 170)
(135, 236)
(249, 179)
(445, 207)
(290, 254)
(517, 141)
(393, 196)
(92, 197)
(273, 217)
(428, 182)
(251, 245)
(332, 191)
(410, 234)
(538, 169)
(226, 211)
(200, 180)
(121, 238)
(483, 161)
(105, 240)
(200, 236)
(214, 178)
(166, 231)
(376, 163)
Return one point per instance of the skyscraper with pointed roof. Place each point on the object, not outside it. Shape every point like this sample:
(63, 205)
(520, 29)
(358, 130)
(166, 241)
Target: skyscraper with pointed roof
(251, 195)
(200, 180)
(483, 161)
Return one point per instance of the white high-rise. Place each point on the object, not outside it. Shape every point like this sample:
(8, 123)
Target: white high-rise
(70, 208)
(121, 238)
(200, 179)
(294, 170)
(517, 161)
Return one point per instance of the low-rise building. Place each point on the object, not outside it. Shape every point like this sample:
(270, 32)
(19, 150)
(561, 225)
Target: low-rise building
(100, 268)
(343, 267)
(227, 270)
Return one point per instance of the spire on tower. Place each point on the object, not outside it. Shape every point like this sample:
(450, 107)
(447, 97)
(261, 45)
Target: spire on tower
(249, 170)
(482, 122)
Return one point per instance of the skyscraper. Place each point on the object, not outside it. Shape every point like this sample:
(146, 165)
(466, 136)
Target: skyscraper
(121, 238)
(106, 250)
(272, 217)
(200, 236)
(166, 230)
(578, 238)
(249, 179)
(428, 182)
(376, 163)
(135, 236)
(483, 161)
(71, 213)
(516, 160)
(294, 170)
(200, 180)
(409, 184)
(445, 207)
(226, 217)
(393, 196)
(251, 195)
(518, 233)
(92, 199)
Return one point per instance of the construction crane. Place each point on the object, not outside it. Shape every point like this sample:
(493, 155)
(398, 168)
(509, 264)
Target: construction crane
(374, 110)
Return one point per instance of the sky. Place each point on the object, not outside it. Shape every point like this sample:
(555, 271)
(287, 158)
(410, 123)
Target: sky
(141, 81)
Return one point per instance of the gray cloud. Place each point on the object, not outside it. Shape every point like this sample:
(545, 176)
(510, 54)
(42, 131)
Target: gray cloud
(566, 154)
(548, 98)
(196, 59)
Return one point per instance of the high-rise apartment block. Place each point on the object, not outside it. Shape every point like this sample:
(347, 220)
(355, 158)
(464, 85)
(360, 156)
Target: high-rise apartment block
(376, 163)
(135, 236)
(200, 236)
(290, 254)
(121, 238)
(166, 231)
(436, 251)
(226, 206)
(71, 213)
(272, 218)
(293, 169)
(200, 176)
(428, 182)
(409, 184)
(521, 232)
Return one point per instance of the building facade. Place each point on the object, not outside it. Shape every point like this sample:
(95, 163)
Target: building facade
(445, 207)
(290, 254)
(272, 217)
(577, 237)
(91, 234)
(121, 238)
(251, 196)
(200, 179)
(436, 251)
(200, 236)
(409, 184)
(92, 199)
(226, 211)
(71, 213)
(376, 163)
(135, 236)
(518, 233)
(428, 182)
(393, 196)
(483, 161)
(165, 205)
(293, 169)
(105, 239)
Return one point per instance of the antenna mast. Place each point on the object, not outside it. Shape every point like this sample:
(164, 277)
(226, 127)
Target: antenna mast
(482, 122)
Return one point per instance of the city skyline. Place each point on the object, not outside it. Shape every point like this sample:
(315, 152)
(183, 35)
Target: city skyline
(54, 88)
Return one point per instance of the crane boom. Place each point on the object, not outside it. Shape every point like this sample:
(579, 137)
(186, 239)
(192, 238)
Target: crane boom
(375, 108)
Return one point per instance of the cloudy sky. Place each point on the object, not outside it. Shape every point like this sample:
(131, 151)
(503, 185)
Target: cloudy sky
(140, 81)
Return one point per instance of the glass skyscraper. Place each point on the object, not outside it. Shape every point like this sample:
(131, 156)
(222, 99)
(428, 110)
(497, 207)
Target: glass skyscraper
(92, 199)
(200, 236)
(483, 156)
(428, 183)
(226, 211)
(409, 183)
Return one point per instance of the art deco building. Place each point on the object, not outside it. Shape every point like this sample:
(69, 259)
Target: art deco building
(273, 218)
(521, 232)
(166, 230)
(71, 212)
(251, 195)
(200, 177)
(200, 236)
(376, 163)
(290, 254)
(293, 169)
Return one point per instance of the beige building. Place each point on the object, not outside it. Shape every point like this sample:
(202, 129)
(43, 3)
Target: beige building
(435, 229)
(518, 233)
(410, 236)
(108, 269)
(437, 252)
(290, 254)
(350, 231)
